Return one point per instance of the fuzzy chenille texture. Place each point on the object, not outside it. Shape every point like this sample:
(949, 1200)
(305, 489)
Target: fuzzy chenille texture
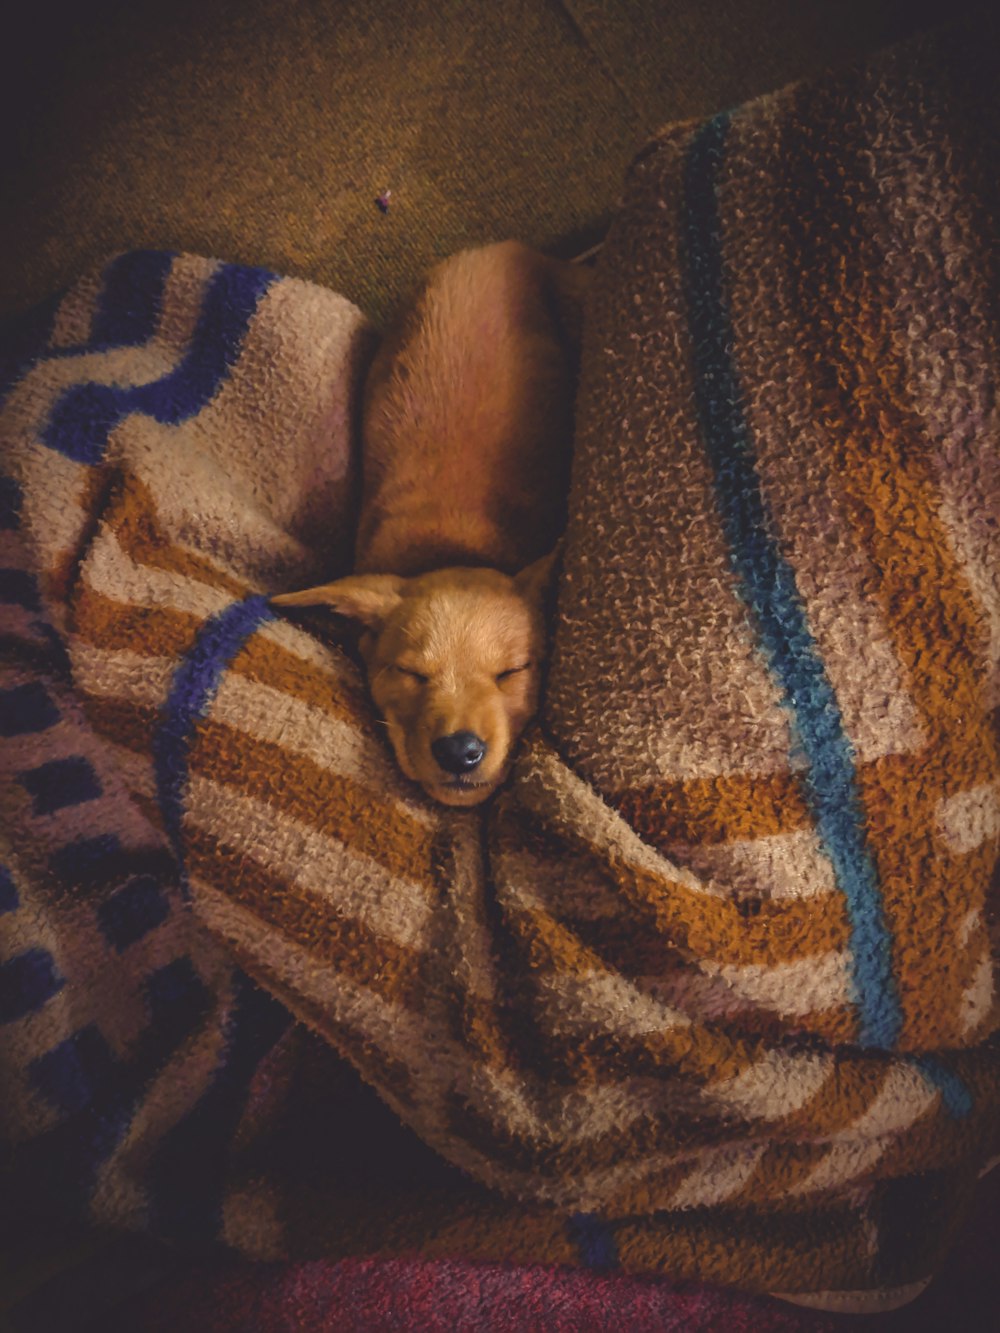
(709, 989)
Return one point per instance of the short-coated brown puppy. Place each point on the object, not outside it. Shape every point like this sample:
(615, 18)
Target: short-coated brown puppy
(466, 442)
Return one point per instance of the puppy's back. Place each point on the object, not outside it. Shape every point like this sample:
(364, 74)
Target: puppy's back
(468, 416)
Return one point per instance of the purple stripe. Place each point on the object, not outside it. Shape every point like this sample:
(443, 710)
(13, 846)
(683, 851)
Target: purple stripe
(195, 683)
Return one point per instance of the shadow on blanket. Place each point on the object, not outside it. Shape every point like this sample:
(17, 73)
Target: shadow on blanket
(710, 989)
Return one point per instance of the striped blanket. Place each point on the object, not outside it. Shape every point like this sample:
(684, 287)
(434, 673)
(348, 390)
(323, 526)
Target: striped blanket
(709, 989)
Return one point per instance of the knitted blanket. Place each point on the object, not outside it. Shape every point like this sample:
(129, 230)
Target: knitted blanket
(709, 989)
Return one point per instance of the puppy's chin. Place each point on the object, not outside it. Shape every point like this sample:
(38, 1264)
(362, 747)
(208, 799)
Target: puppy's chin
(461, 793)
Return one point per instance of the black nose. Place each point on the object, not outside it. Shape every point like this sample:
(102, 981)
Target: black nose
(458, 753)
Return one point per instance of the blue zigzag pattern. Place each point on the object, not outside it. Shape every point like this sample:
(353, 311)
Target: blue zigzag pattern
(85, 415)
(94, 1089)
(127, 310)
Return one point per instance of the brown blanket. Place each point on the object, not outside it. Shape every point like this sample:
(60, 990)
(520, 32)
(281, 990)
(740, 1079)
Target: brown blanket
(710, 988)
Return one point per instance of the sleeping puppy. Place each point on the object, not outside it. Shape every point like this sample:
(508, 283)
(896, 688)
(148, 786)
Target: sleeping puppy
(466, 440)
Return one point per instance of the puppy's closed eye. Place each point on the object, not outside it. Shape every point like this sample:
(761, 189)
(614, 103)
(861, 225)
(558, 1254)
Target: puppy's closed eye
(511, 671)
(413, 675)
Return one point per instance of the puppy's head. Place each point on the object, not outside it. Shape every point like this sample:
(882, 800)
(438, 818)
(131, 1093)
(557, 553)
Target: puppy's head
(454, 666)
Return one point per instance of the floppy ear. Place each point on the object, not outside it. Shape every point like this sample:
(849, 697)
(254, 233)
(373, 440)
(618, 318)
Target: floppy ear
(533, 581)
(369, 598)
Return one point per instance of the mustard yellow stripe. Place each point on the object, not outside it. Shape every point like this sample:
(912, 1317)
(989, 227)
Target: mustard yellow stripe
(336, 805)
(928, 890)
(768, 1250)
(128, 724)
(133, 517)
(391, 970)
(716, 809)
(57, 581)
(159, 631)
(702, 926)
(847, 350)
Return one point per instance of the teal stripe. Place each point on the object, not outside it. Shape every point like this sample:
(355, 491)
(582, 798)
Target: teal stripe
(768, 586)
(955, 1096)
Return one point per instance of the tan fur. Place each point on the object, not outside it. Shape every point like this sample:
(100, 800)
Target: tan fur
(466, 437)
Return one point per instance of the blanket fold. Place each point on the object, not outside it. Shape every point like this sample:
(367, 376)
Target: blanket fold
(709, 988)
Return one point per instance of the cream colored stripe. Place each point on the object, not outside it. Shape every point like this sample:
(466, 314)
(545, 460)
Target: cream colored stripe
(775, 866)
(282, 719)
(326, 663)
(549, 787)
(305, 646)
(348, 883)
(720, 1177)
(531, 1110)
(843, 1163)
(875, 1300)
(703, 998)
(977, 552)
(259, 711)
(977, 1000)
(905, 1095)
(779, 1084)
(572, 886)
(584, 1004)
(806, 986)
(968, 927)
(862, 1198)
(970, 818)
(112, 572)
(442, 1067)
(636, 1184)
(121, 674)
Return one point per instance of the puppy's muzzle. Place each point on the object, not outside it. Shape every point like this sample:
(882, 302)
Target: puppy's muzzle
(459, 753)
